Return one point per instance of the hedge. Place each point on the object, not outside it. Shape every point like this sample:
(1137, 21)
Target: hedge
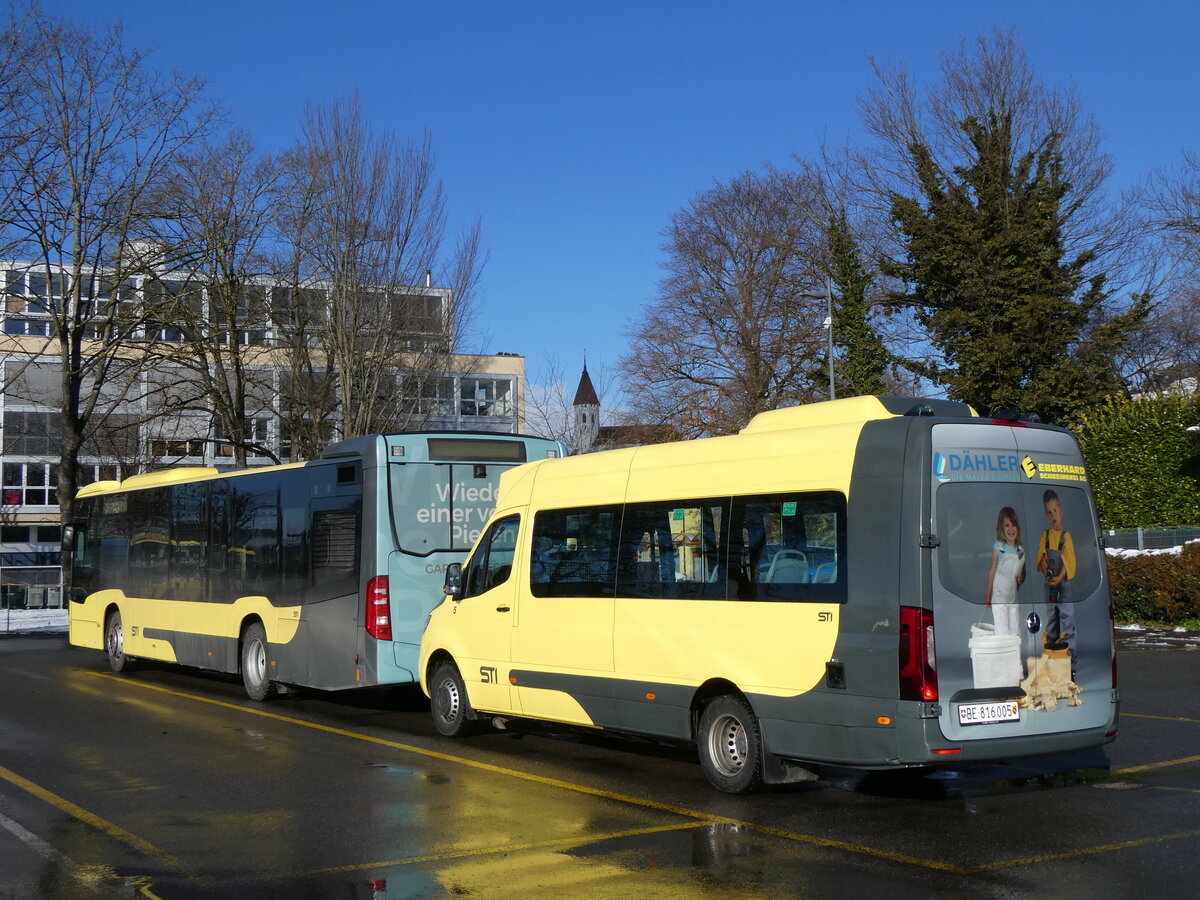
(1160, 587)
(1143, 464)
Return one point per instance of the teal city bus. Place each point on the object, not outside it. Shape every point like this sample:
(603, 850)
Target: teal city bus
(319, 574)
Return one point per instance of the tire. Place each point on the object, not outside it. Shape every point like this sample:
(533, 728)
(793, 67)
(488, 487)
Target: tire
(452, 712)
(256, 663)
(730, 746)
(114, 643)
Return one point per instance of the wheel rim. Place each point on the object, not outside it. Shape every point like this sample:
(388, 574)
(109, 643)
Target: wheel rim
(256, 662)
(728, 745)
(116, 643)
(449, 700)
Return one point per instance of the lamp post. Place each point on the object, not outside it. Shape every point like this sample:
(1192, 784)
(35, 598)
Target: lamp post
(829, 327)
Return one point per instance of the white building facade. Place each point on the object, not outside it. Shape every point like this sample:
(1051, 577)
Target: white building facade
(152, 423)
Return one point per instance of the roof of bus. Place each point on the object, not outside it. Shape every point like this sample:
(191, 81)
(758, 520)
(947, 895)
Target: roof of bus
(854, 409)
(764, 452)
(176, 475)
(340, 449)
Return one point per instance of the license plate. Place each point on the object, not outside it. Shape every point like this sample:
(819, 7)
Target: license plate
(988, 713)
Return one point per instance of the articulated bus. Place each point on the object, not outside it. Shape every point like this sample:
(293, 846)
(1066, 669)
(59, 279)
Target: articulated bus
(319, 574)
(875, 582)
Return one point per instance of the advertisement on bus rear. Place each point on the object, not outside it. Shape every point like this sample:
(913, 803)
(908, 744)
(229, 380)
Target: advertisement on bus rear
(1021, 606)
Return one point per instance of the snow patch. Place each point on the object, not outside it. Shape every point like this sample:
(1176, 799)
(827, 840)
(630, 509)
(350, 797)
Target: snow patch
(29, 621)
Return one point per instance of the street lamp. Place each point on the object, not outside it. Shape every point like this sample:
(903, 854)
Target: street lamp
(829, 327)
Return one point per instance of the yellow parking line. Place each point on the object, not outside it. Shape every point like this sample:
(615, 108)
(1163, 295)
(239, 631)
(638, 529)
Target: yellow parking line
(1126, 715)
(1157, 765)
(1179, 790)
(77, 812)
(1086, 851)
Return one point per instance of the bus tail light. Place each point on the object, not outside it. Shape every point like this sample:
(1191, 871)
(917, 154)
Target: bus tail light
(379, 621)
(918, 667)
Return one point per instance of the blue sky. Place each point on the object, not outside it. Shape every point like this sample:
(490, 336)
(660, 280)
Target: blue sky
(574, 130)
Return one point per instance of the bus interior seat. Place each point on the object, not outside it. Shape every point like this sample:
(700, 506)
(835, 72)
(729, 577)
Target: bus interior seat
(788, 567)
(825, 573)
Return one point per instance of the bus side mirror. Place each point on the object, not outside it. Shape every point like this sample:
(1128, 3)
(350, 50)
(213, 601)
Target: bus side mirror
(453, 584)
(68, 538)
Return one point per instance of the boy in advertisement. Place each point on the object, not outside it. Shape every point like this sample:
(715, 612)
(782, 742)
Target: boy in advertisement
(1056, 561)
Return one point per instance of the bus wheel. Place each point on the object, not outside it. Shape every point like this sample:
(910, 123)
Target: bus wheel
(256, 663)
(114, 644)
(730, 746)
(452, 713)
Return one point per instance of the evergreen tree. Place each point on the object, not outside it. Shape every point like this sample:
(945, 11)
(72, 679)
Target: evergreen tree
(864, 359)
(1016, 322)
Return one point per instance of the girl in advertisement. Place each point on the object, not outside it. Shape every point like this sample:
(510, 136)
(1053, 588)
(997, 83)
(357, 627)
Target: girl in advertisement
(1007, 574)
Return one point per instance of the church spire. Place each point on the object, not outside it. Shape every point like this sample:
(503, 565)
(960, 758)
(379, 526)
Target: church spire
(587, 413)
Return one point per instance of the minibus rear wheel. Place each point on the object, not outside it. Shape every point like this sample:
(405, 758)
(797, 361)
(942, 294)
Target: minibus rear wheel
(452, 713)
(730, 745)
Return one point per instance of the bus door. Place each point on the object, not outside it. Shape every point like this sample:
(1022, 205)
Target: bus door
(333, 606)
(486, 611)
(564, 637)
(1020, 603)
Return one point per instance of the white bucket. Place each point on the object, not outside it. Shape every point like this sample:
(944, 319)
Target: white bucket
(995, 658)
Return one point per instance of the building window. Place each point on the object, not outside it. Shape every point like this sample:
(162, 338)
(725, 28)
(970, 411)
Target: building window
(257, 432)
(177, 449)
(30, 484)
(437, 396)
(27, 327)
(485, 396)
(90, 474)
(32, 433)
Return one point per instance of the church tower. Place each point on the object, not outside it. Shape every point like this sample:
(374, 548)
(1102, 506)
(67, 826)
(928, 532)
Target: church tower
(587, 414)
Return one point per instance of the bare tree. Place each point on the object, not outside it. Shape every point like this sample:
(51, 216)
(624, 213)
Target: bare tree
(365, 224)
(737, 325)
(1165, 352)
(100, 132)
(215, 219)
(1172, 199)
(15, 36)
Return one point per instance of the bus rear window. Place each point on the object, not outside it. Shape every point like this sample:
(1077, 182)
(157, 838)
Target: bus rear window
(969, 525)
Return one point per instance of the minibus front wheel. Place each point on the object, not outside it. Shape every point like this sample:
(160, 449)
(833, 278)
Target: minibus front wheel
(452, 712)
(730, 745)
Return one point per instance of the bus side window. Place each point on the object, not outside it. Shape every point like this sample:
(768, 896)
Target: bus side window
(254, 543)
(217, 564)
(574, 552)
(674, 550)
(789, 547)
(491, 564)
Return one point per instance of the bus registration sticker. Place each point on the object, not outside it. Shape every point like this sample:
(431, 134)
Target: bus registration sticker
(988, 713)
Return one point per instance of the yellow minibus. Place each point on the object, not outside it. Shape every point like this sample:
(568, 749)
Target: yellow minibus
(876, 581)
